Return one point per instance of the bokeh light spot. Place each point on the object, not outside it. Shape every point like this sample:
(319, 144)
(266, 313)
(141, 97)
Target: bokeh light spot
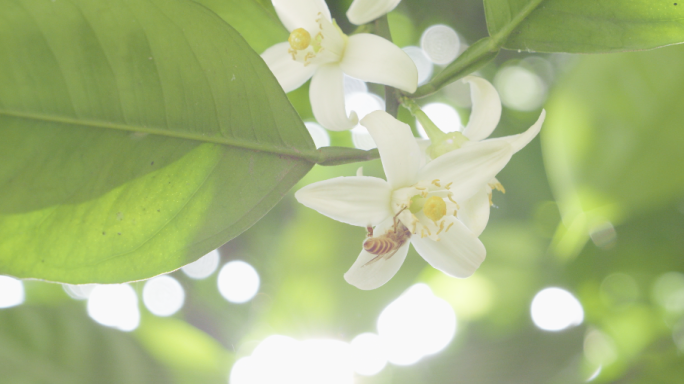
(443, 115)
(555, 309)
(415, 325)
(318, 134)
(369, 356)
(440, 44)
(363, 104)
(163, 295)
(599, 348)
(520, 88)
(203, 267)
(354, 85)
(619, 289)
(284, 360)
(668, 292)
(422, 62)
(11, 292)
(238, 281)
(114, 305)
(79, 292)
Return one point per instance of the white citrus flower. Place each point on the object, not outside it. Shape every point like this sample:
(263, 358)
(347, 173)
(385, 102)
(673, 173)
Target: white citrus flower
(484, 118)
(318, 49)
(423, 197)
(364, 11)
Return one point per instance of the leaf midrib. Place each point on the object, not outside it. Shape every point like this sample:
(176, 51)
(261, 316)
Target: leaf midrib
(309, 155)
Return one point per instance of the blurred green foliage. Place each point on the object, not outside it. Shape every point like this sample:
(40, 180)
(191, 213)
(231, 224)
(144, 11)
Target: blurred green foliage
(610, 153)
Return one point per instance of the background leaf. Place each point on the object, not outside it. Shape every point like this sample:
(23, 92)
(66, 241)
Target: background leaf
(587, 26)
(135, 136)
(60, 345)
(613, 139)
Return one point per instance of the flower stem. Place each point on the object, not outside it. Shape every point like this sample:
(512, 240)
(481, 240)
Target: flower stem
(434, 133)
(391, 104)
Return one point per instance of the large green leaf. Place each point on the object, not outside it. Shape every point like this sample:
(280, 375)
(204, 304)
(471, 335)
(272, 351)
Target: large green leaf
(258, 25)
(135, 136)
(586, 26)
(613, 140)
(60, 345)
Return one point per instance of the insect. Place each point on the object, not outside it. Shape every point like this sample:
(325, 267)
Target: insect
(387, 245)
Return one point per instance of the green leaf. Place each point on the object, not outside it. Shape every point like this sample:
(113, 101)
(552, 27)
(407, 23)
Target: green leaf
(135, 137)
(258, 25)
(585, 26)
(60, 345)
(612, 140)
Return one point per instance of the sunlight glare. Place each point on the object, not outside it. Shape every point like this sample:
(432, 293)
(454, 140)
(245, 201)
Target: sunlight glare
(163, 295)
(114, 305)
(238, 282)
(555, 309)
(11, 292)
(203, 267)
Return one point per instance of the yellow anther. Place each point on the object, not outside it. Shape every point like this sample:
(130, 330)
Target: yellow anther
(455, 213)
(447, 228)
(434, 208)
(299, 39)
(436, 182)
(428, 231)
(452, 200)
(441, 227)
(419, 188)
(448, 185)
(424, 194)
(422, 233)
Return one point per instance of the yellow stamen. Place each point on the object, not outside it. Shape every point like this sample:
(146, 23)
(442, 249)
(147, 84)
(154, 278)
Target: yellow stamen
(452, 200)
(422, 233)
(419, 188)
(428, 231)
(299, 39)
(441, 227)
(448, 185)
(434, 208)
(447, 228)
(436, 182)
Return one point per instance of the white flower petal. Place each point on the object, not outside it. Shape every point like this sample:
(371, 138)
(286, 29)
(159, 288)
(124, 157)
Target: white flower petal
(486, 110)
(326, 94)
(367, 274)
(474, 212)
(470, 167)
(458, 252)
(374, 59)
(290, 74)
(364, 11)
(400, 154)
(520, 140)
(301, 13)
(355, 200)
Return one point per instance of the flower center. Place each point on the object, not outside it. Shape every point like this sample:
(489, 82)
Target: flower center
(299, 39)
(429, 207)
(435, 208)
(320, 44)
